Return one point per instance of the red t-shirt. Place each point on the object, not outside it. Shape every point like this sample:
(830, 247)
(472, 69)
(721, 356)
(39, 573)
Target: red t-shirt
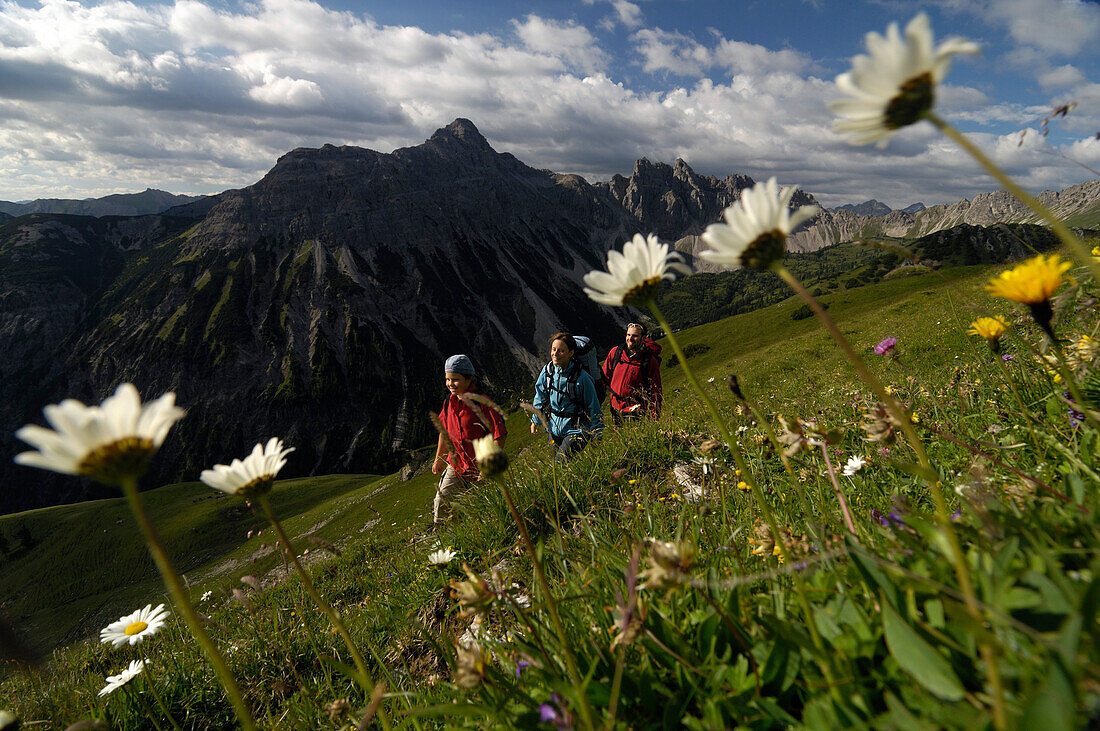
(463, 427)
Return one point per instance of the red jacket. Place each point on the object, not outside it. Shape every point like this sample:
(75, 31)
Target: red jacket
(635, 381)
(463, 427)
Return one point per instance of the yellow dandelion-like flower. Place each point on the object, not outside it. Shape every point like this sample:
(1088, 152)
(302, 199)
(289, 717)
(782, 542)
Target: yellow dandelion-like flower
(990, 328)
(1096, 251)
(742, 485)
(1031, 282)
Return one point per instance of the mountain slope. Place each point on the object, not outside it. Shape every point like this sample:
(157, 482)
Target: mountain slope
(319, 303)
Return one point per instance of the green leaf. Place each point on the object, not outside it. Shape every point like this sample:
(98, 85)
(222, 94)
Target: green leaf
(871, 573)
(917, 470)
(1075, 486)
(1051, 708)
(916, 657)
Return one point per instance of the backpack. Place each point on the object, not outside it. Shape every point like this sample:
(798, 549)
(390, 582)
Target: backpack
(650, 349)
(586, 356)
(572, 391)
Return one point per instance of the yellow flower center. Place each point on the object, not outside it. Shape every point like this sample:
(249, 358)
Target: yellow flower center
(259, 486)
(765, 250)
(914, 98)
(641, 293)
(123, 459)
(136, 628)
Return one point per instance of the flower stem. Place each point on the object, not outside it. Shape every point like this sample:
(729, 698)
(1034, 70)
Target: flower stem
(157, 698)
(334, 617)
(769, 431)
(551, 604)
(1072, 242)
(719, 421)
(962, 572)
(839, 493)
(183, 603)
(616, 686)
(758, 495)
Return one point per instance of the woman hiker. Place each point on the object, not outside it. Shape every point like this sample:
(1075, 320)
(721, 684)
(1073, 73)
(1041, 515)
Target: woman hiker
(459, 468)
(566, 396)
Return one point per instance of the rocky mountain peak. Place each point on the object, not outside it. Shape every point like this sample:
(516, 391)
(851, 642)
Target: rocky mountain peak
(674, 201)
(867, 208)
(461, 132)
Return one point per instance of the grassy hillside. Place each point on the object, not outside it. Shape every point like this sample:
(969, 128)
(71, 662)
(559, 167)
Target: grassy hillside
(868, 630)
(99, 567)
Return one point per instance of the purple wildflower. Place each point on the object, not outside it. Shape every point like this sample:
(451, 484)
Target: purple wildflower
(886, 346)
(521, 666)
(957, 514)
(1007, 357)
(547, 713)
(1076, 418)
(892, 519)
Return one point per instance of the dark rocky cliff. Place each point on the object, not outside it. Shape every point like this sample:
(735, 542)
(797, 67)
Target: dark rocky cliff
(316, 305)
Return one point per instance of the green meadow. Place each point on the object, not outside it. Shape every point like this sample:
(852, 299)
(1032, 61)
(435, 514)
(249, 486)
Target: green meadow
(866, 628)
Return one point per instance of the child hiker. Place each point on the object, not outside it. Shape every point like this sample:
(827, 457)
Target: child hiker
(459, 468)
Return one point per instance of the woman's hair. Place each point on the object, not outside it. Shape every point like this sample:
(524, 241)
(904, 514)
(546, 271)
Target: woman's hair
(569, 340)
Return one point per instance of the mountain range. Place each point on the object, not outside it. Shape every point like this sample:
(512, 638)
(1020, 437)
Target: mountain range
(1078, 205)
(121, 204)
(317, 305)
(877, 208)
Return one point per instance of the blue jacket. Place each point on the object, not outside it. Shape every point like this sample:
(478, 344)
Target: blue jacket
(561, 402)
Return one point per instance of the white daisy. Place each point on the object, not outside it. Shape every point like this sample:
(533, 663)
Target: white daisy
(853, 465)
(895, 84)
(114, 682)
(632, 276)
(110, 443)
(441, 557)
(705, 462)
(755, 232)
(491, 459)
(206, 596)
(251, 476)
(135, 627)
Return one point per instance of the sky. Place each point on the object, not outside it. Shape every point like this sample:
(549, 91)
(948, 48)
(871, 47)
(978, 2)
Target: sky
(198, 96)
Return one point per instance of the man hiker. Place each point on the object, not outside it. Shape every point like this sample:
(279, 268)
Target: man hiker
(566, 395)
(633, 374)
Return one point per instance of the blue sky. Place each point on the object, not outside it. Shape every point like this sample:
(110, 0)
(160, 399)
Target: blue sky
(198, 96)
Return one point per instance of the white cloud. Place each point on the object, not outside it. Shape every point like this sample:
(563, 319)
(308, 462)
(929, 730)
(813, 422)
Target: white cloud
(198, 98)
(570, 42)
(1061, 77)
(627, 14)
(679, 54)
(1060, 27)
(279, 90)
